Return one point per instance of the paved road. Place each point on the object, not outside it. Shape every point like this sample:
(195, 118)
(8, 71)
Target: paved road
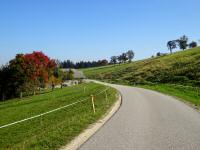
(148, 120)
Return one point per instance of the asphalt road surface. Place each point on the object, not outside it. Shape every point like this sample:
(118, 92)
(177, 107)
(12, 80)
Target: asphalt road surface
(148, 120)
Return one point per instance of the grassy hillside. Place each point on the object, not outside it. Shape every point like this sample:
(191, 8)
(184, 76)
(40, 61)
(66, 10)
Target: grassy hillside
(182, 67)
(56, 129)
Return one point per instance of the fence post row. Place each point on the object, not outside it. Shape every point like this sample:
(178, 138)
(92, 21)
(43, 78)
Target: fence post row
(48, 112)
(93, 106)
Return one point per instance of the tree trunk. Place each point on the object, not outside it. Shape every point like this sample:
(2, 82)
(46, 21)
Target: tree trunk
(61, 85)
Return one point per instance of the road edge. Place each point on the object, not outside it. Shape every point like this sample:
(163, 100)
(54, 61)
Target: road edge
(182, 100)
(93, 128)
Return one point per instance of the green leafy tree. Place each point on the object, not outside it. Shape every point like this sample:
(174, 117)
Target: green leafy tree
(20, 74)
(120, 59)
(70, 75)
(113, 60)
(6, 85)
(158, 54)
(63, 76)
(171, 45)
(124, 57)
(183, 42)
(103, 62)
(130, 54)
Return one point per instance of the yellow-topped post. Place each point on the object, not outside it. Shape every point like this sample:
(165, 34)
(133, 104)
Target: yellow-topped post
(93, 106)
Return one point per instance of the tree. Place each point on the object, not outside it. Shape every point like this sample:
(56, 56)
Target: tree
(83, 64)
(171, 45)
(24, 73)
(120, 59)
(67, 64)
(6, 88)
(130, 55)
(183, 42)
(158, 54)
(113, 60)
(103, 62)
(31, 70)
(193, 44)
(41, 67)
(20, 74)
(124, 57)
(59, 75)
(70, 75)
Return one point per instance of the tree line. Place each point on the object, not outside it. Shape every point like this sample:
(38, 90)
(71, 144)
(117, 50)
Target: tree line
(124, 57)
(82, 64)
(182, 43)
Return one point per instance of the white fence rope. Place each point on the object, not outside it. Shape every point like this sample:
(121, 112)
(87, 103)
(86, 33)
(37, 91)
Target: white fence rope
(48, 112)
(102, 91)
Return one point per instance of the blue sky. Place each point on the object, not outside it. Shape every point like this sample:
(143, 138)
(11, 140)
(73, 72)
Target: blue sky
(94, 29)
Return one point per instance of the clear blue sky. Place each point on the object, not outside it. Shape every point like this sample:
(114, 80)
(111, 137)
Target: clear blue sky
(94, 29)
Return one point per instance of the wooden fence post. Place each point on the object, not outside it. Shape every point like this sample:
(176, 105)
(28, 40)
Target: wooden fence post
(106, 96)
(84, 89)
(93, 106)
(41, 123)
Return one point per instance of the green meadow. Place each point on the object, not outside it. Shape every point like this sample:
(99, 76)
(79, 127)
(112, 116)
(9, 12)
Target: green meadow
(55, 129)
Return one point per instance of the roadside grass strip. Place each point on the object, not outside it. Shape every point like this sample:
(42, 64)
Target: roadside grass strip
(25, 124)
(79, 101)
(41, 114)
(185, 93)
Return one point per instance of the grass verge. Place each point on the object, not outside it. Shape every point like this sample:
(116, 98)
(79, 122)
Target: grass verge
(55, 129)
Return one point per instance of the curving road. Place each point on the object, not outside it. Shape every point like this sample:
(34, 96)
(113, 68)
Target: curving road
(148, 120)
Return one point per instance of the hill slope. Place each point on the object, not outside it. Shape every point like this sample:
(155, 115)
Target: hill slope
(182, 67)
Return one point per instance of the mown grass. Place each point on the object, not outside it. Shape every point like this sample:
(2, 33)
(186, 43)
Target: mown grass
(55, 129)
(184, 93)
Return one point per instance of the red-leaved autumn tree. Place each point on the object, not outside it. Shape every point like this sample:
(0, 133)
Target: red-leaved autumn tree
(32, 70)
(39, 66)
